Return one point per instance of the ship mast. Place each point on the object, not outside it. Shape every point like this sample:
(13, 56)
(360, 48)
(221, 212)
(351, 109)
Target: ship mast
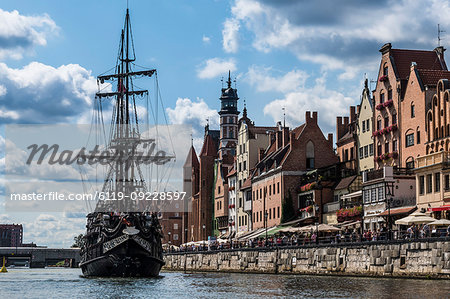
(124, 177)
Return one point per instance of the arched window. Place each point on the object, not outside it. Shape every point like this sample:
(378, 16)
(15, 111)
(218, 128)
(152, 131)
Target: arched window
(382, 96)
(385, 69)
(310, 155)
(410, 162)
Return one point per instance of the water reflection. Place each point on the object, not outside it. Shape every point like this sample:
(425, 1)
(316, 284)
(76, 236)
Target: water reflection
(49, 283)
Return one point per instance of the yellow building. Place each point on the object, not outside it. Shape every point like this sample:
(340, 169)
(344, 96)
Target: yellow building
(251, 141)
(364, 132)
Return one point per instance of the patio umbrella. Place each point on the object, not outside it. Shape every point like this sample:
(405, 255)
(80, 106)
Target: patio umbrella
(440, 222)
(327, 228)
(415, 218)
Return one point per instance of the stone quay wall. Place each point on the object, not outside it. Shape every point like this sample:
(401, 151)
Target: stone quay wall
(396, 259)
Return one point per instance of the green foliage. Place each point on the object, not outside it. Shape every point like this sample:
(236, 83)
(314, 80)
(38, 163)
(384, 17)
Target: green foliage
(78, 241)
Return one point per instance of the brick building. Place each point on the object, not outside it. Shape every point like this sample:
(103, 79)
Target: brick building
(201, 224)
(11, 235)
(388, 97)
(346, 129)
(191, 176)
(276, 176)
(172, 228)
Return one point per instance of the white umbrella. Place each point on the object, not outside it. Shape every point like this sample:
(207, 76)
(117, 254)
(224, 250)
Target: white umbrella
(440, 222)
(415, 218)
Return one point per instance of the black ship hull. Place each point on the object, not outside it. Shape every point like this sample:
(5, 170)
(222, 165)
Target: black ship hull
(126, 260)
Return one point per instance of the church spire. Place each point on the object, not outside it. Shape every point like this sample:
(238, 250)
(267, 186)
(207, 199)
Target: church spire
(229, 79)
(244, 113)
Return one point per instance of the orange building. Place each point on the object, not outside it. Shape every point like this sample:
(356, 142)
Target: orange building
(388, 96)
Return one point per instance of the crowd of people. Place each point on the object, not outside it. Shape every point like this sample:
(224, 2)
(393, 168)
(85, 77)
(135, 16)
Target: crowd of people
(313, 237)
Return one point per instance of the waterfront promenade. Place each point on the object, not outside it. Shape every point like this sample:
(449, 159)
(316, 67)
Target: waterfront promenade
(396, 258)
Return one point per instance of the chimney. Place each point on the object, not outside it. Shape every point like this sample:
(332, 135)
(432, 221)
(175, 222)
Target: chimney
(339, 127)
(260, 154)
(358, 109)
(278, 135)
(330, 139)
(315, 117)
(352, 114)
(291, 139)
(440, 52)
(307, 116)
(285, 133)
(386, 48)
(345, 124)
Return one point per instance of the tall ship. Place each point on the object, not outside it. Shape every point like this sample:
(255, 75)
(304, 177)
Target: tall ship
(123, 236)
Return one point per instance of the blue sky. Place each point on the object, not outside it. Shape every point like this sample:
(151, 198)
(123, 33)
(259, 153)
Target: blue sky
(302, 55)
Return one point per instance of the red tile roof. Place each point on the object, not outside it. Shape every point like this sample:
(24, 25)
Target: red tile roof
(209, 148)
(424, 59)
(297, 131)
(431, 77)
(398, 211)
(247, 184)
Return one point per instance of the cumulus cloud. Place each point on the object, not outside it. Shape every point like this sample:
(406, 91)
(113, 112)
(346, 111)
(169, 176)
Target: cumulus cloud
(260, 79)
(339, 36)
(53, 230)
(20, 34)
(193, 113)
(39, 93)
(329, 103)
(230, 35)
(216, 66)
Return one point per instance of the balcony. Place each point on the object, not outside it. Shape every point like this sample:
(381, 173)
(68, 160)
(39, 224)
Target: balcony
(331, 207)
(434, 159)
(385, 173)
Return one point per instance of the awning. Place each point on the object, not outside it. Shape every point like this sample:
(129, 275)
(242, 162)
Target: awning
(352, 195)
(398, 211)
(442, 208)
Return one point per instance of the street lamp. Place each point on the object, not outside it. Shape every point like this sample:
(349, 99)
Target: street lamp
(204, 234)
(389, 191)
(265, 212)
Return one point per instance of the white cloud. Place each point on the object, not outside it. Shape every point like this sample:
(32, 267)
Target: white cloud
(216, 66)
(230, 37)
(260, 78)
(20, 34)
(206, 39)
(194, 113)
(343, 36)
(39, 93)
(327, 102)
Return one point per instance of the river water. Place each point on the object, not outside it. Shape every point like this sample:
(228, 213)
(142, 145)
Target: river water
(68, 283)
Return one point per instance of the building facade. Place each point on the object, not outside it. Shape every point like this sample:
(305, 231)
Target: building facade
(11, 235)
(252, 140)
(392, 83)
(346, 149)
(364, 138)
(277, 175)
(378, 204)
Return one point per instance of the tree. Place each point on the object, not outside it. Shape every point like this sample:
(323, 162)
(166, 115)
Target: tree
(78, 241)
(287, 211)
